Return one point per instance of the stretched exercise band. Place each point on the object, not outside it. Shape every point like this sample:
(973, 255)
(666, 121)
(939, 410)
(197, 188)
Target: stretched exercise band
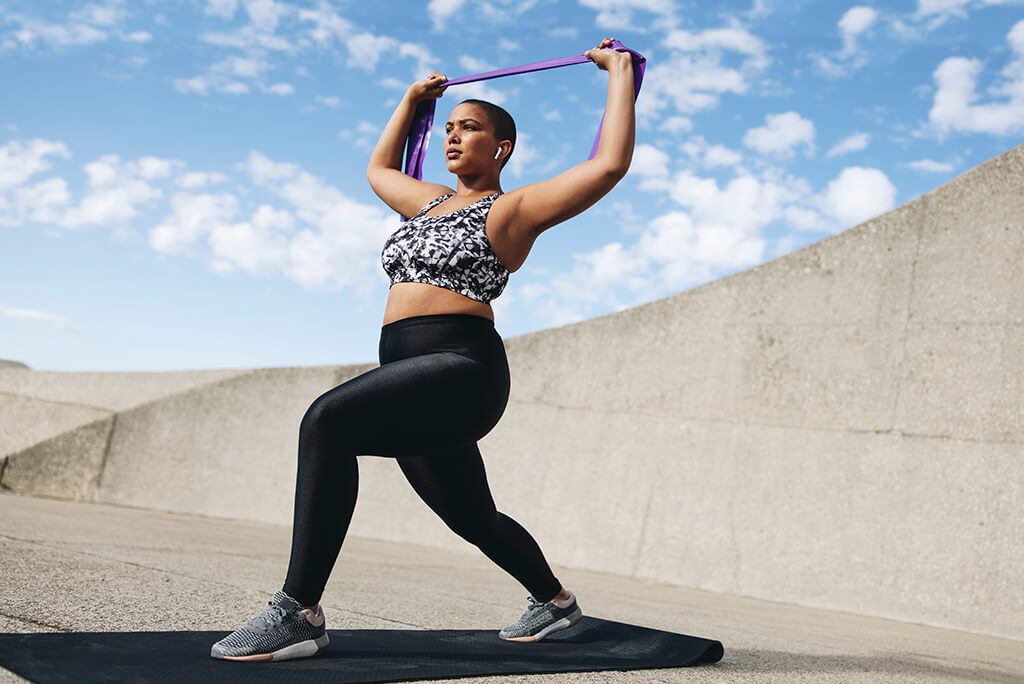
(423, 119)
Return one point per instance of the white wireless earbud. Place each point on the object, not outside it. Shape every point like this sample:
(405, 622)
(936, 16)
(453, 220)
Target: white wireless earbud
(498, 153)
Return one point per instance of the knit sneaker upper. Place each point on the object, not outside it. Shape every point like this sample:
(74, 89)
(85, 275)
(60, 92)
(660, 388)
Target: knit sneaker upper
(539, 617)
(282, 624)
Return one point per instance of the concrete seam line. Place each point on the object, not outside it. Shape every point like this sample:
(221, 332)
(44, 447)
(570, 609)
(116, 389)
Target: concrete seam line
(169, 395)
(891, 432)
(103, 462)
(918, 239)
(20, 618)
(56, 401)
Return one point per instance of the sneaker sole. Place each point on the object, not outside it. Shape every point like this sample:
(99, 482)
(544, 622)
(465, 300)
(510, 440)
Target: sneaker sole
(556, 626)
(303, 649)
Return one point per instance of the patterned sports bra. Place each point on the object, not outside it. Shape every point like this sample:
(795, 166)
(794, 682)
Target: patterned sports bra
(450, 251)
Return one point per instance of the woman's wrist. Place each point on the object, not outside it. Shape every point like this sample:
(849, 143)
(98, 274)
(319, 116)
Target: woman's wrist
(624, 64)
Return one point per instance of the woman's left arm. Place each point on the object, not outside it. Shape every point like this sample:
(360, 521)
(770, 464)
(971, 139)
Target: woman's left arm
(536, 207)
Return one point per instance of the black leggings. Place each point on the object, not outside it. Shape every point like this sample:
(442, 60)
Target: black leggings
(442, 384)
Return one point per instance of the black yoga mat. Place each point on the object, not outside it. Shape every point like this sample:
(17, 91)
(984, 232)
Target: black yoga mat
(354, 655)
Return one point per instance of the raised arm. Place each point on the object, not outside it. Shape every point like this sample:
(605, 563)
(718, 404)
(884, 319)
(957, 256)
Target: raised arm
(403, 193)
(538, 206)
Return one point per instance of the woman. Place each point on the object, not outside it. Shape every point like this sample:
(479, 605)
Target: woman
(443, 380)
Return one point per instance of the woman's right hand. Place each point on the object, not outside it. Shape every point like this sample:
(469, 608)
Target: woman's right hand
(430, 88)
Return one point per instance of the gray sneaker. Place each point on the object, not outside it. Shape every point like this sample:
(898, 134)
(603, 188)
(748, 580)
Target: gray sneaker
(542, 619)
(284, 630)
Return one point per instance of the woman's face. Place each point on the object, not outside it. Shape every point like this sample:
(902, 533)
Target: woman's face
(469, 141)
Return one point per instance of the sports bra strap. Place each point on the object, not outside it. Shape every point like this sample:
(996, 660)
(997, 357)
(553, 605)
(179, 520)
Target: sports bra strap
(434, 203)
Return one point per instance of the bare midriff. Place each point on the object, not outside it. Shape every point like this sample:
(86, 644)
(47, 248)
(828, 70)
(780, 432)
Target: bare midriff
(422, 299)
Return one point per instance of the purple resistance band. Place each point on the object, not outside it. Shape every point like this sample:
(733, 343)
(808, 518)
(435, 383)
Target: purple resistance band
(423, 119)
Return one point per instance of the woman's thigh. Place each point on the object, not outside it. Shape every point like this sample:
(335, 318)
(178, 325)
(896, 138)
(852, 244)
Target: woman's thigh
(413, 406)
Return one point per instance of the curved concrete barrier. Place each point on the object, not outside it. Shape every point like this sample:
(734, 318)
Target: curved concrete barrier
(842, 427)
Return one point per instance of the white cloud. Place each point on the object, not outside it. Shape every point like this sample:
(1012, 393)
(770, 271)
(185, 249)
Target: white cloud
(280, 89)
(192, 217)
(854, 22)
(705, 154)
(100, 15)
(42, 202)
(440, 10)
(233, 88)
(759, 9)
(364, 134)
(857, 195)
(930, 166)
(949, 7)
(719, 155)
(676, 124)
(59, 35)
(221, 8)
(258, 246)
(553, 115)
(265, 14)
(20, 161)
(331, 101)
(688, 85)
(478, 90)
(84, 26)
(569, 32)
(618, 14)
(732, 39)
(781, 134)
(200, 179)
(329, 24)
(851, 143)
(199, 85)
(696, 75)
(425, 60)
(116, 189)
(474, 64)
(931, 14)
(506, 45)
(139, 37)
(341, 245)
(35, 316)
(649, 161)
(956, 106)
(365, 50)
(525, 153)
(242, 67)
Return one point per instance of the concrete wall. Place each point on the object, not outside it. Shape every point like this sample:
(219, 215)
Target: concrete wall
(842, 427)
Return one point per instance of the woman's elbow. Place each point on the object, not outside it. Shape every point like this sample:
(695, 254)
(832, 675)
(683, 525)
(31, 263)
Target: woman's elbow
(617, 172)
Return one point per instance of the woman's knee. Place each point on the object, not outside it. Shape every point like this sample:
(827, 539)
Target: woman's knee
(316, 415)
(326, 416)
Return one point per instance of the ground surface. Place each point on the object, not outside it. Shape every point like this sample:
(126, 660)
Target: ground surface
(86, 567)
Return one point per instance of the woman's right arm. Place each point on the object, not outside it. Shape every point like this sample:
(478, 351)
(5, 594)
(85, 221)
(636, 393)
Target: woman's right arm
(403, 193)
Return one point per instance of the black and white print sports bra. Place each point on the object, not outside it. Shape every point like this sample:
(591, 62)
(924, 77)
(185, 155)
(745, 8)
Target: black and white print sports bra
(450, 251)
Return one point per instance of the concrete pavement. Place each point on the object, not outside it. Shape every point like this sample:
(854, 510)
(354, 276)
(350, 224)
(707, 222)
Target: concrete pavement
(92, 567)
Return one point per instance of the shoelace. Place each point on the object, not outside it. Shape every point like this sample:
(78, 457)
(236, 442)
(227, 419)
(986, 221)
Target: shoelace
(534, 605)
(265, 620)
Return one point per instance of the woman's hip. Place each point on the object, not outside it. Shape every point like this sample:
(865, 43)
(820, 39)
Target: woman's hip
(465, 334)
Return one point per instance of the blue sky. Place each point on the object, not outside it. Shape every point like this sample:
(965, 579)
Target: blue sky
(182, 184)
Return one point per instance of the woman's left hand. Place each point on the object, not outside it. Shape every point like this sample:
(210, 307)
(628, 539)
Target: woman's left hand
(605, 58)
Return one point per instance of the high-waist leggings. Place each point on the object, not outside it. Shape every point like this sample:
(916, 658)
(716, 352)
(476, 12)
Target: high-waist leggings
(443, 383)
